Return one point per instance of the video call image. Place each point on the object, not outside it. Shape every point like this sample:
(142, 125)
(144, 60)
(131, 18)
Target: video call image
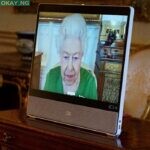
(82, 54)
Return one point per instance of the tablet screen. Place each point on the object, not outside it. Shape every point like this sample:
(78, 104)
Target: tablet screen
(82, 56)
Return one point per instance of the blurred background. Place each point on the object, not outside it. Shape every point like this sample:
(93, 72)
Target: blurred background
(14, 20)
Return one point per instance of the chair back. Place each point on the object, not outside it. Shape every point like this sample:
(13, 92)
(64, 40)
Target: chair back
(146, 113)
(10, 95)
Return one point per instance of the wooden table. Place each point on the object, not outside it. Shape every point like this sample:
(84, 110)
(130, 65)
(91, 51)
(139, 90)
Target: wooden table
(20, 132)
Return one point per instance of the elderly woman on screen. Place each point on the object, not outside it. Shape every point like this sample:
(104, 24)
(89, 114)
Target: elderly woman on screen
(70, 77)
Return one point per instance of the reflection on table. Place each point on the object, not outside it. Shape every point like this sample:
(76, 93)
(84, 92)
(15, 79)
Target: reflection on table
(48, 135)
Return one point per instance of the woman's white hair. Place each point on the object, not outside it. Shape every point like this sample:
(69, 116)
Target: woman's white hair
(73, 26)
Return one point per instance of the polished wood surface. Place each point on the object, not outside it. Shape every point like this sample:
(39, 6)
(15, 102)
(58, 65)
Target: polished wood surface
(136, 134)
(19, 131)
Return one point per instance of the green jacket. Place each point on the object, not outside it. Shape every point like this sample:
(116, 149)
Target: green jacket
(87, 86)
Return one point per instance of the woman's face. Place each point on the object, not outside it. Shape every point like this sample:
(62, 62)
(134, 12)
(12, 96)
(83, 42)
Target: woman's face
(71, 55)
